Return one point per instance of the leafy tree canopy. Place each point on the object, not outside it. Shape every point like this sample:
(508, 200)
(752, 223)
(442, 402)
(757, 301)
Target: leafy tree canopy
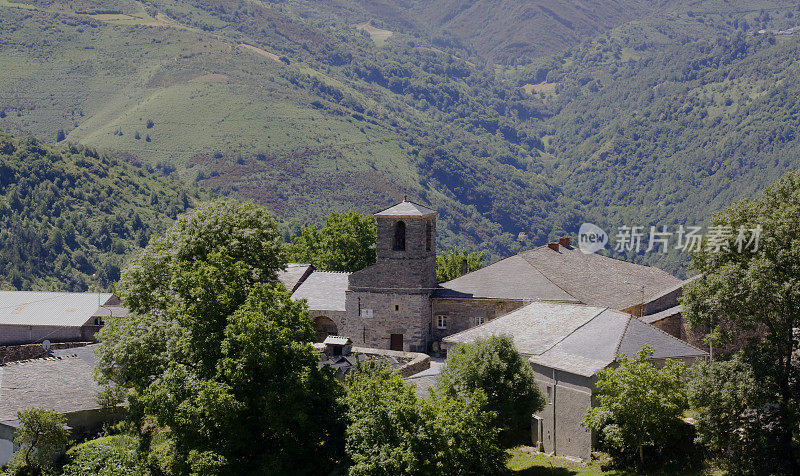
(494, 367)
(749, 298)
(42, 436)
(392, 431)
(451, 265)
(345, 243)
(639, 404)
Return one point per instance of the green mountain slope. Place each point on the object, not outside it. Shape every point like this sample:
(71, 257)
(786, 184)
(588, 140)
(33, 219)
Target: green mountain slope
(69, 216)
(309, 108)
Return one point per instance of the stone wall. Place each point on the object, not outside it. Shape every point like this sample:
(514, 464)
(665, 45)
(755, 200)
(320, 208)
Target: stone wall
(392, 313)
(418, 361)
(461, 313)
(570, 396)
(22, 334)
(12, 353)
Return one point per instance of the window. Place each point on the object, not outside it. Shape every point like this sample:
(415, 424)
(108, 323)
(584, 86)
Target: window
(549, 394)
(478, 320)
(441, 322)
(428, 236)
(396, 307)
(399, 243)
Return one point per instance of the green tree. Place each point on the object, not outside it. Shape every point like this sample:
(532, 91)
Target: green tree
(391, 431)
(494, 367)
(451, 265)
(750, 297)
(725, 396)
(345, 243)
(42, 436)
(115, 455)
(640, 405)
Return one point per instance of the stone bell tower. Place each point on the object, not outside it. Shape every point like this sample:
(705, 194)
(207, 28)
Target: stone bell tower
(388, 304)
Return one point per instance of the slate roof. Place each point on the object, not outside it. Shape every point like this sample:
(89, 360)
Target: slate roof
(33, 308)
(577, 338)
(324, 290)
(406, 209)
(424, 381)
(64, 384)
(337, 340)
(566, 275)
(651, 318)
(294, 275)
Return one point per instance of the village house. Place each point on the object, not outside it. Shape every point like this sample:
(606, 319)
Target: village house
(565, 345)
(29, 317)
(63, 383)
(397, 303)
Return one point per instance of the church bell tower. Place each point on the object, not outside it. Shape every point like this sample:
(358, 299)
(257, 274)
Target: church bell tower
(388, 304)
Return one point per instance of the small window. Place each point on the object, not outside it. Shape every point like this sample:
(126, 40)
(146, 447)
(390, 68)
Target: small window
(549, 394)
(396, 307)
(399, 243)
(428, 236)
(441, 322)
(478, 320)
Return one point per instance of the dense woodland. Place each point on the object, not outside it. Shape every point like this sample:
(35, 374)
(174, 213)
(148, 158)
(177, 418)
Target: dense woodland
(69, 216)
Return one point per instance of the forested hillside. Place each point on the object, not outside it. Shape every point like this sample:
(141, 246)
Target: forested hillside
(673, 111)
(69, 216)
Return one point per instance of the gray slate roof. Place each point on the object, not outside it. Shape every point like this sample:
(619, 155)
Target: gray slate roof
(406, 209)
(294, 275)
(33, 308)
(651, 318)
(424, 381)
(566, 275)
(577, 338)
(64, 384)
(324, 290)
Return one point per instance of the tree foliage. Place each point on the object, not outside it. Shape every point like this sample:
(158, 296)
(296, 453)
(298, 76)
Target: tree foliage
(114, 455)
(69, 216)
(345, 243)
(732, 422)
(639, 405)
(392, 431)
(494, 367)
(217, 352)
(749, 299)
(42, 436)
(451, 265)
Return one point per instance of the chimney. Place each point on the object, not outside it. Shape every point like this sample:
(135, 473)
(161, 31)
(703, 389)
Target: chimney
(464, 267)
(553, 246)
(564, 241)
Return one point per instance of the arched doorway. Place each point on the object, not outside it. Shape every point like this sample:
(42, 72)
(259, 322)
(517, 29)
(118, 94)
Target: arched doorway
(325, 327)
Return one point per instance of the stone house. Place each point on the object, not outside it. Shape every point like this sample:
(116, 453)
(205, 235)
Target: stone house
(28, 317)
(63, 383)
(397, 303)
(565, 345)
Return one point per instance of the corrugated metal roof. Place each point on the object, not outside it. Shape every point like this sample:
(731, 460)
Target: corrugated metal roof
(34, 308)
(337, 340)
(324, 291)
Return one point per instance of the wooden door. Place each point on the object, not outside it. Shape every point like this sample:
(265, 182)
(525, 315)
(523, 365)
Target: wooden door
(396, 341)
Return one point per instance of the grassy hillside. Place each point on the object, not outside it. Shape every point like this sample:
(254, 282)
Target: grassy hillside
(311, 107)
(69, 216)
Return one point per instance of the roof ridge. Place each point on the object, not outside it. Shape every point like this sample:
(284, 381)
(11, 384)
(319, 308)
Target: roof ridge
(49, 358)
(622, 336)
(547, 277)
(602, 310)
(667, 334)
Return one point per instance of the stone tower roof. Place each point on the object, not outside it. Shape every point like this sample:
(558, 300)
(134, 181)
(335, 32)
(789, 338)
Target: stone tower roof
(406, 209)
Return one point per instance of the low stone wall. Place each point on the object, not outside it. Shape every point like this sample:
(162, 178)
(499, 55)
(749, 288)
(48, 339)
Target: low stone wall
(417, 361)
(13, 353)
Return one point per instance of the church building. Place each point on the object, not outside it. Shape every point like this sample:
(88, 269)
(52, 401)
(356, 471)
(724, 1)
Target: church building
(397, 304)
